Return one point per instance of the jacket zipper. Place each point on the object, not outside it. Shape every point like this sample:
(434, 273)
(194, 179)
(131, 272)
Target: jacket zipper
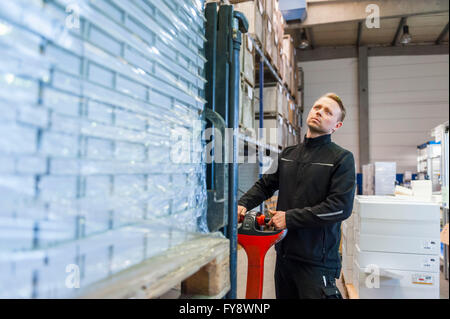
(324, 249)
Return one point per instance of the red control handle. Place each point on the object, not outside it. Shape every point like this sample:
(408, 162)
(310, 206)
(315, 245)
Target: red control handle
(256, 248)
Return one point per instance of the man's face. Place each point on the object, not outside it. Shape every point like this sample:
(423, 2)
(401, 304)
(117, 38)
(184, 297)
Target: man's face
(325, 116)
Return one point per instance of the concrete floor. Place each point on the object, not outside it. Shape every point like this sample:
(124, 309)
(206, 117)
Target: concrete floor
(269, 285)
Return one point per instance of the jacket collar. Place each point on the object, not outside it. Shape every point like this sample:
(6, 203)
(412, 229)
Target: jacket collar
(311, 142)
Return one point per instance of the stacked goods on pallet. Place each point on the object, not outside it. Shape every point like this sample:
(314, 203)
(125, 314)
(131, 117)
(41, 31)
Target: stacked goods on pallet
(347, 249)
(269, 39)
(273, 33)
(278, 103)
(247, 60)
(87, 129)
(254, 12)
(298, 135)
(291, 140)
(379, 178)
(246, 108)
(288, 53)
(246, 105)
(267, 28)
(274, 100)
(396, 251)
(275, 131)
(298, 94)
(271, 203)
(279, 24)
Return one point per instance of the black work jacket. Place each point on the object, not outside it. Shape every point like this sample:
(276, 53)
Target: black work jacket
(316, 181)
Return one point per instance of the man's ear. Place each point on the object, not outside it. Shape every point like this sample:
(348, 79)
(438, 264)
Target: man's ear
(338, 125)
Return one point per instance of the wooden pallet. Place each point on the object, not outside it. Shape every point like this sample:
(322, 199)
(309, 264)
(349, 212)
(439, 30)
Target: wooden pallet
(351, 291)
(204, 257)
(212, 279)
(271, 203)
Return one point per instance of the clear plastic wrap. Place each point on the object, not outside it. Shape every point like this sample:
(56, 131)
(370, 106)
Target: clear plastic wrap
(90, 113)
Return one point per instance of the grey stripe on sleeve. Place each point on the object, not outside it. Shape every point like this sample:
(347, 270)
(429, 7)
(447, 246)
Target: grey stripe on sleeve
(330, 214)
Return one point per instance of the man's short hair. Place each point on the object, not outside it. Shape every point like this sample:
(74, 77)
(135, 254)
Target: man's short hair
(338, 100)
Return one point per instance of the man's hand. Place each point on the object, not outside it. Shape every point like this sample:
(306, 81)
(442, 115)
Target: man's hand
(241, 212)
(278, 219)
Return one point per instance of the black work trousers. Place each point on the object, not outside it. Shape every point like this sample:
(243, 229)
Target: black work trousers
(298, 280)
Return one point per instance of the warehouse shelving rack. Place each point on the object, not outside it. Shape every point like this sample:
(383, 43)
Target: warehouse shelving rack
(428, 163)
(441, 135)
(266, 72)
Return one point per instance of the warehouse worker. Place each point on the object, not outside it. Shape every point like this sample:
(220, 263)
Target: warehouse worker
(316, 183)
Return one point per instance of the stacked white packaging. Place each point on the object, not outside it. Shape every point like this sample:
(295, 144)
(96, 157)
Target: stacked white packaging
(348, 243)
(396, 250)
(379, 178)
(385, 173)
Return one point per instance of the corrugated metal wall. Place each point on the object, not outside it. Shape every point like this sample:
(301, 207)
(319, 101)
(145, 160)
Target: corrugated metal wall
(99, 100)
(408, 96)
(339, 76)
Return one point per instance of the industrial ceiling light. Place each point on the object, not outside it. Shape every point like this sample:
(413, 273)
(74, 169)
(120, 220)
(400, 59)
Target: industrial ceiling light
(304, 43)
(406, 37)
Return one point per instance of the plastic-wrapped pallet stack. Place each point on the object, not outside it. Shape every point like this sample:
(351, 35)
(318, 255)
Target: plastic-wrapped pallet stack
(379, 178)
(100, 138)
(396, 251)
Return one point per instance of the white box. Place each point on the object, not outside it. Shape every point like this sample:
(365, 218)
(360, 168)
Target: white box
(390, 216)
(399, 244)
(379, 178)
(397, 261)
(394, 284)
(385, 176)
(422, 189)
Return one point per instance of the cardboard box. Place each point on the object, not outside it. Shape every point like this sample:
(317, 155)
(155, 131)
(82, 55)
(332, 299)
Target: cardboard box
(399, 261)
(291, 113)
(269, 7)
(276, 131)
(288, 48)
(400, 244)
(394, 284)
(247, 60)
(253, 11)
(272, 99)
(246, 106)
(389, 216)
(290, 135)
(268, 42)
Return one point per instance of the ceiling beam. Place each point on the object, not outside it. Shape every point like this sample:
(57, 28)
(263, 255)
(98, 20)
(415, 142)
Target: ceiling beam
(310, 35)
(326, 12)
(442, 35)
(358, 37)
(398, 32)
(330, 53)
